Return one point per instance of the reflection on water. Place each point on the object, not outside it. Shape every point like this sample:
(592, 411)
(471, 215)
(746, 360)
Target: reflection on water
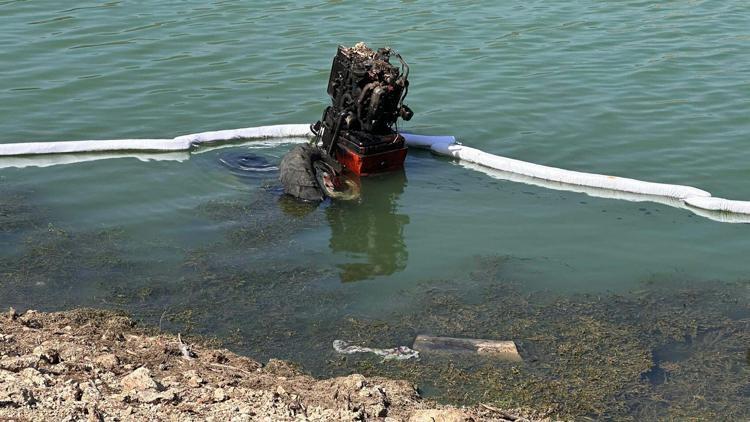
(370, 230)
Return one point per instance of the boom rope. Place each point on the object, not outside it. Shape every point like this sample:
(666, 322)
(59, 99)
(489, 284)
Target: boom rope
(555, 178)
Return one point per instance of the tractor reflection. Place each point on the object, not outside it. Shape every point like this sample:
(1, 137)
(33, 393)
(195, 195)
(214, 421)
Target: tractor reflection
(370, 231)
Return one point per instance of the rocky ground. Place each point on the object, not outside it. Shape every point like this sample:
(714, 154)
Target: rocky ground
(99, 366)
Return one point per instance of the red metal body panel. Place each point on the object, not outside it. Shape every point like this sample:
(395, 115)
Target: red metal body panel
(362, 165)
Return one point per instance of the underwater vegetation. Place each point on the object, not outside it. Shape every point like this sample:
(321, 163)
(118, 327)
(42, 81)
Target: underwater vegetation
(668, 350)
(671, 350)
(46, 265)
(60, 268)
(268, 220)
(41, 259)
(17, 214)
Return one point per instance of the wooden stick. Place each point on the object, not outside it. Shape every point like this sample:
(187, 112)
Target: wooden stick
(505, 350)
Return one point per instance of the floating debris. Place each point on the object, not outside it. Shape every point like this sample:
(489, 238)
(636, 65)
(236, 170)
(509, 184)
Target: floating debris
(505, 350)
(396, 353)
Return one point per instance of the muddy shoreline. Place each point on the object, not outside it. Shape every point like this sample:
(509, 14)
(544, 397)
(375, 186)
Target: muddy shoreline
(98, 365)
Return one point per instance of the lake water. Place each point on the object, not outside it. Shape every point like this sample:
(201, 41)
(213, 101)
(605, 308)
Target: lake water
(206, 243)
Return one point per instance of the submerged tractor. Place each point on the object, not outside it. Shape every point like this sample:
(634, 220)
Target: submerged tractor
(357, 134)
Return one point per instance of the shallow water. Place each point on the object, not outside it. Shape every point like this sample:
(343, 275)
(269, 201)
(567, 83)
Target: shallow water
(651, 91)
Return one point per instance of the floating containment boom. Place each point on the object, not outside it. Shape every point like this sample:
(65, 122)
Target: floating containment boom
(687, 197)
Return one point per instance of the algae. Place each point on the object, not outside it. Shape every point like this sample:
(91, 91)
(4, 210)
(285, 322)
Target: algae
(585, 356)
(268, 220)
(667, 350)
(18, 214)
(64, 265)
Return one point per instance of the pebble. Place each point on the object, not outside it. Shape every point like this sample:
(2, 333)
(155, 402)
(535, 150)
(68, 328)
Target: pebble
(220, 395)
(139, 380)
(108, 361)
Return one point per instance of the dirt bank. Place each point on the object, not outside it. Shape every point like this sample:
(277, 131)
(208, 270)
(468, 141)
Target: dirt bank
(100, 366)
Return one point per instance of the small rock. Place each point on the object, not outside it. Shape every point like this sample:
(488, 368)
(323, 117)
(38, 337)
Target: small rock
(152, 396)
(111, 335)
(220, 395)
(139, 380)
(353, 383)
(108, 361)
(205, 396)
(193, 379)
(29, 321)
(47, 354)
(169, 381)
(8, 378)
(71, 392)
(17, 397)
(34, 377)
(280, 390)
(379, 410)
(17, 363)
(94, 415)
(12, 314)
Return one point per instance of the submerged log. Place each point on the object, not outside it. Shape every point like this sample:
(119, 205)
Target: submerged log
(505, 350)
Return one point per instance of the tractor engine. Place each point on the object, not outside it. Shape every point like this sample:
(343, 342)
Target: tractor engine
(357, 131)
(367, 92)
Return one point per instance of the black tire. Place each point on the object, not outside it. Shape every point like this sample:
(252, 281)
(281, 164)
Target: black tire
(298, 174)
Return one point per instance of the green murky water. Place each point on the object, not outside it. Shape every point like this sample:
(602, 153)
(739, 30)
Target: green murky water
(657, 91)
